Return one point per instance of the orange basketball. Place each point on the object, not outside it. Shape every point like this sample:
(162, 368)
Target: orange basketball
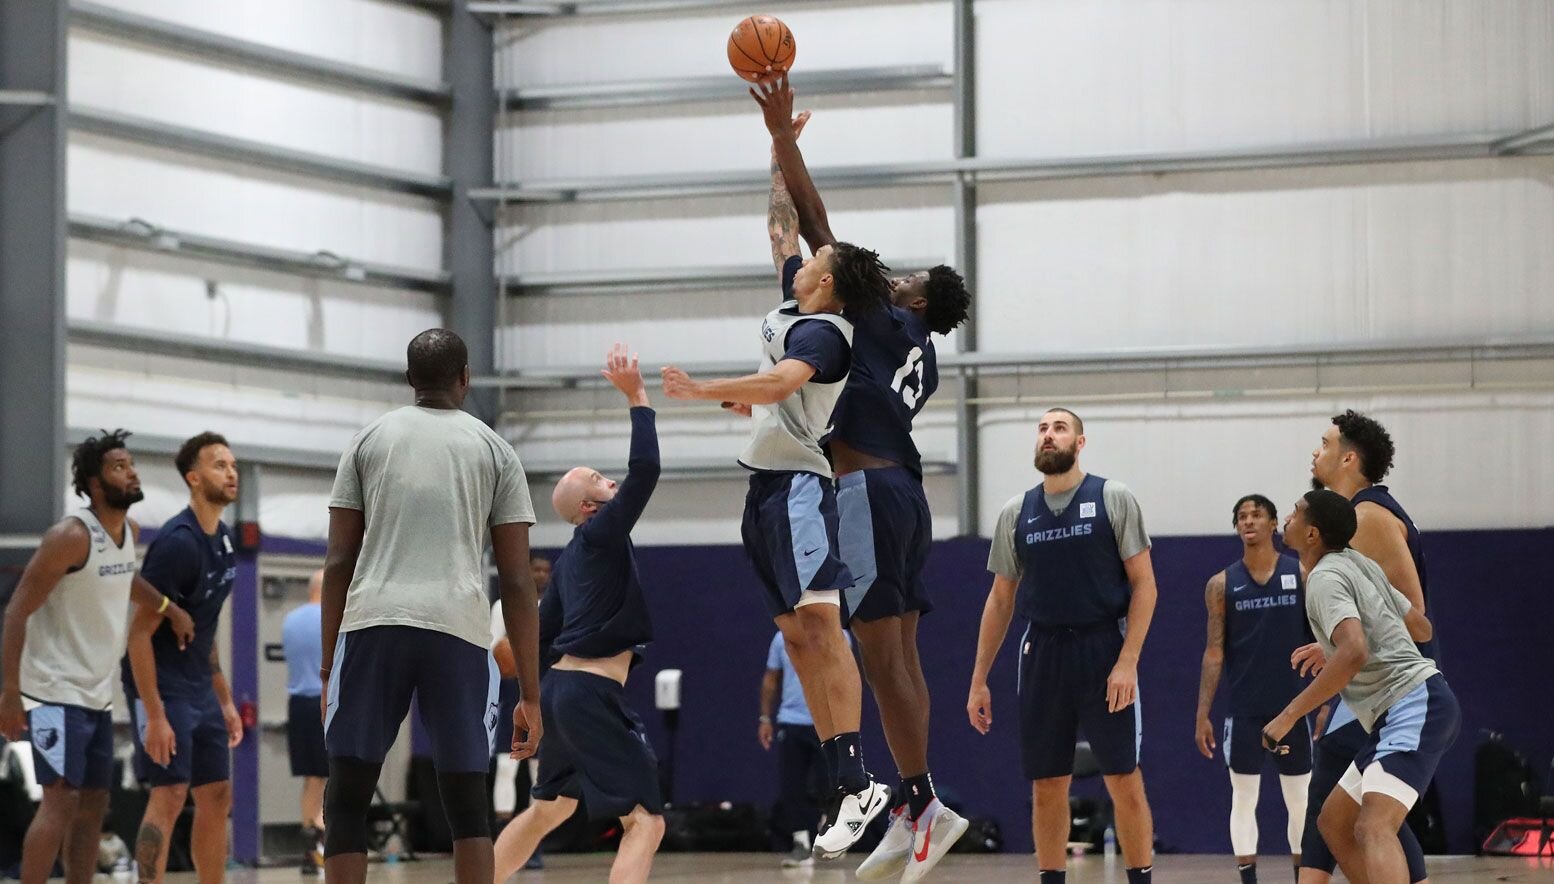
(760, 47)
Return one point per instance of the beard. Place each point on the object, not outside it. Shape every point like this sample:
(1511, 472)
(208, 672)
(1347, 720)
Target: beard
(121, 499)
(1316, 484)
(1056, 461)
(219, 496)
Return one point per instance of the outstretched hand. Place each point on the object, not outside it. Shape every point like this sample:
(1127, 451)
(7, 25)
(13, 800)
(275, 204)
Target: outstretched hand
(625, 375)
(775, 96)
(678, 384)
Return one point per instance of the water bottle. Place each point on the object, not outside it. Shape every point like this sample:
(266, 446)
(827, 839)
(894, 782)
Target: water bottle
(1109, 842)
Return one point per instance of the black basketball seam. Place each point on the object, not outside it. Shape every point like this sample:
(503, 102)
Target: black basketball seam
(762, 41)
(785, 30)
(762, 65)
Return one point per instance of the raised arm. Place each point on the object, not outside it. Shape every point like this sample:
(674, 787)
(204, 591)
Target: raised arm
(1213, 661)
(776, 100)
(616, 519)
(65, 546)
(782, 222)
(761, 388)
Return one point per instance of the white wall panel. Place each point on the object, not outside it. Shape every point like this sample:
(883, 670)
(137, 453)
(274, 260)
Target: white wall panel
(1308, 255)
(118, 180)
(124, 77)
(613, 49)
(133, 288)
(390, 36)
(1075, 77)
(1474, 460)
(901, 128)
(167, 396)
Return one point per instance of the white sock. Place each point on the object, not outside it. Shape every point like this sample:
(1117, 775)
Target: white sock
(1243, 813)
(504, 791)
(801, 839)
(1295, 789)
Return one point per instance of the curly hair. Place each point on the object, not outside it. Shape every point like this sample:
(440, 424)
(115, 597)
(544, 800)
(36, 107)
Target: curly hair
(86, 463)
(858, 277)
(948, 301)
(1262, 502)
(1370, 439)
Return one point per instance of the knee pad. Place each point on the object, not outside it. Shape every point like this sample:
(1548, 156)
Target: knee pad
(464, 802)
(346, 799)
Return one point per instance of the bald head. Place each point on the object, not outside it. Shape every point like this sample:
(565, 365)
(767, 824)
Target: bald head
(580, 494)
(316, 587)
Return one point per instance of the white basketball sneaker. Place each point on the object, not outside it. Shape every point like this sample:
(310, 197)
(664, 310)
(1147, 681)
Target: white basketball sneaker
(855, 811)
(934, 833)
(890, 857)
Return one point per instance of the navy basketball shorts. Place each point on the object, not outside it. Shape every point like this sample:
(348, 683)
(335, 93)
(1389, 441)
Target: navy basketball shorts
(1406, 745)
(305, 737)
(1335, 753)
(376, 672)
(790, 534)
(595, 749)
(199, 737)
(72, 743)
(886, 532)
(1244, 752)
(1062, 688)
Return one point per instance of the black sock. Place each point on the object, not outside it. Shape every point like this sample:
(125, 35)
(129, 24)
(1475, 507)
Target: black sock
(828, 752)
(1297, 873)
(918, 792)
(1051, 876)
(1248, 873)
(1141, 876)
(850, 775)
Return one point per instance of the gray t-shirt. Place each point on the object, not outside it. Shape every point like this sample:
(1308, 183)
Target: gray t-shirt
(431, 482)
(1348, 586)
(1122, 508)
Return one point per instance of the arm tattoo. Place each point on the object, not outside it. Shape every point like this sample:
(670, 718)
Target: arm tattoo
(782, 219)
(148, 852)
(1213, 655)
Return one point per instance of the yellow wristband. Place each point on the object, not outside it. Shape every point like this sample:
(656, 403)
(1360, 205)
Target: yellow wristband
(165, 602)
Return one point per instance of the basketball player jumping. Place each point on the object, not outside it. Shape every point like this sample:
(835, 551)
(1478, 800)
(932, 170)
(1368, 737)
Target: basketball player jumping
(790, 520)
(886, 529)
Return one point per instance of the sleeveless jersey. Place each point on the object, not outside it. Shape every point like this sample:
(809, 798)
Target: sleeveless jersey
(1264, 623)
(1073, 574)
(75, 639)
(786, 436)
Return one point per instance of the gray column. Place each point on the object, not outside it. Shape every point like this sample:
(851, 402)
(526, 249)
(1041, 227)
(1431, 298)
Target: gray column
(467, 159)
(32, 269)
(968, 440)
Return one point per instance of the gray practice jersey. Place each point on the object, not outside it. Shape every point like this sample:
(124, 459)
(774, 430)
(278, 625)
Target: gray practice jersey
(1122, 508)
(786, 435)
(1348, 586)
(430, 483)
(75, 640)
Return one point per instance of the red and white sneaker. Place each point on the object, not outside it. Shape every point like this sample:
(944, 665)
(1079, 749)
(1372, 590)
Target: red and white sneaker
(894, 850)
(934, 833)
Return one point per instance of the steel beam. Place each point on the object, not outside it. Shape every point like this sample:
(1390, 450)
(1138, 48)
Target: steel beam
(1127, 360)
(323, 264)
(160, 343)
(968, 440)
(32, 271)
(241, 150)
(267, 455)
(640, 93)
(259, 57)
(664, 279)
(986, 169)
(1523, 140)
(469, 245)
(605, 7)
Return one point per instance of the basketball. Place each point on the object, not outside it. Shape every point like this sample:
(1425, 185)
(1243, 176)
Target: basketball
(761, 46)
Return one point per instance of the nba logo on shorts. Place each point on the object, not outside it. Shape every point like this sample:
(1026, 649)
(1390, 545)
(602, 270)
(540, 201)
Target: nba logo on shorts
(1087, 510)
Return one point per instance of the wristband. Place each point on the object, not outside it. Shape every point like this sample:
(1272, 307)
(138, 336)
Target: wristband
(765, 719)
(165, 602)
